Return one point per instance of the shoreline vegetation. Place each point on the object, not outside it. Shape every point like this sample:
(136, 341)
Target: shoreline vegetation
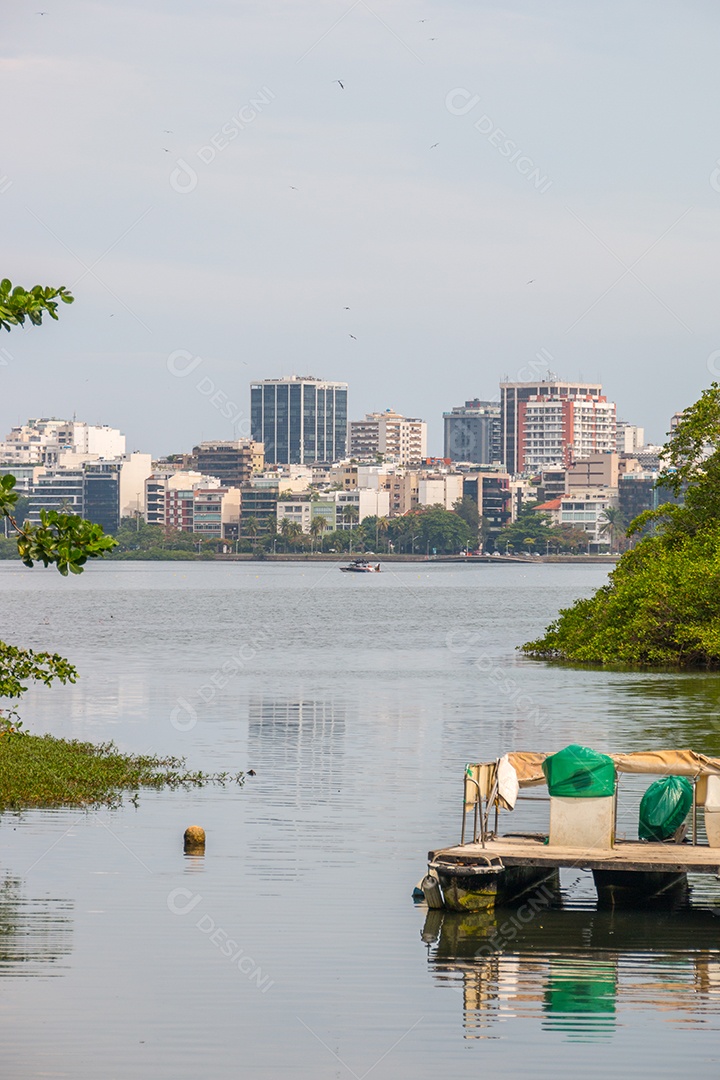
(42, 772)
(661, 607)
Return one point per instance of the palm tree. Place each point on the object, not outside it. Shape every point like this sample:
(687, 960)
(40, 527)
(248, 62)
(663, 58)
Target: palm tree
(350, 514)
(251, 529)
(381, 526)
(318, 525)
(612, 522)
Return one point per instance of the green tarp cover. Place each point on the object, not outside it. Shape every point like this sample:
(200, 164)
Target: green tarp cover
(664, 807)
(579, 773)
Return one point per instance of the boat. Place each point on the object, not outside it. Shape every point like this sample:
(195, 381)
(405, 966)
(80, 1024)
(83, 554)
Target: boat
(361, 566)
(490, 869)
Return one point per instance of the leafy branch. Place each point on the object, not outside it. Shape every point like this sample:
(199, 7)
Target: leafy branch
(18, 304)
(62, 540)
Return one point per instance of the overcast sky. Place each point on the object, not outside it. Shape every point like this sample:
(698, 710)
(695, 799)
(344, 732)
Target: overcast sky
(569, 210)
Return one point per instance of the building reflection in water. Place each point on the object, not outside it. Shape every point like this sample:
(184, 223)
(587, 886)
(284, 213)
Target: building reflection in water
(35, 934)
(302, 739)
(577, 971)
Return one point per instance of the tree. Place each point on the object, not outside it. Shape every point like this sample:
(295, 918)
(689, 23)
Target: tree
(291, 531)
(435, 527)
(61, 540)
(530, 525)
(467, 509)
(662, 603)
(612, 522)
(381, 529)
(250, 528)
(350, 514)
(318, 525)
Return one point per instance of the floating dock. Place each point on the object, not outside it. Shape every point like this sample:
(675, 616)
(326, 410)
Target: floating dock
(495, 870)
(630, 855)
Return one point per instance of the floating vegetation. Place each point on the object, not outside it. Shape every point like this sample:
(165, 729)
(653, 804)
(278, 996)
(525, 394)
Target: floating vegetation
(42, 771)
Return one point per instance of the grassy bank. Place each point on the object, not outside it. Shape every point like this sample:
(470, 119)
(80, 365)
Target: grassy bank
(42, 771)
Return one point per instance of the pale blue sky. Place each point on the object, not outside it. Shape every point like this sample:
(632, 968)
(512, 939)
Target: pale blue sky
(615, 105)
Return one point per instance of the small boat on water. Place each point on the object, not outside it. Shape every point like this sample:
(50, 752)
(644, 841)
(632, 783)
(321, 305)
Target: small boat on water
(492, 870)
(361, 566)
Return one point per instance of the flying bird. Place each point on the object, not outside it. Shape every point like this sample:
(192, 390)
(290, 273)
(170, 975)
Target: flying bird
(353, 337)
(434, 145)
(42, 12)
(530, 281)
(166, 150)
(293, 188)
(432, 39)
(167, 131)
(422, 20)
(346, 309)
(339, 84)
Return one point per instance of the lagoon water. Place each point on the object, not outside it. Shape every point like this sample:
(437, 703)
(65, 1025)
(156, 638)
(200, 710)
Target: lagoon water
(293, 947)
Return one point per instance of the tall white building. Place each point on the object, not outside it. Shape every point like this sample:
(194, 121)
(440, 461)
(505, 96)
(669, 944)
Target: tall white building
(551, 422)
(629, 437)
(42, 440)
(390, 434)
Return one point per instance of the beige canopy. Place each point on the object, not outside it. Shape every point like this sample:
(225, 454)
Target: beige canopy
(528, 767)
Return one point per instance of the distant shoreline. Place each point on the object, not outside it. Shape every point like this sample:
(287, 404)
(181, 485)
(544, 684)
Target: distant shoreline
(385, 558)
(336, 557)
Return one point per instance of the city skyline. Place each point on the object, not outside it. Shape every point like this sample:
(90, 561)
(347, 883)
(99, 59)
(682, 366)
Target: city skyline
(384, 232)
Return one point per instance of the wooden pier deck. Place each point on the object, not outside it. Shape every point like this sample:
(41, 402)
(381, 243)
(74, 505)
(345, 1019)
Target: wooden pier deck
(625, 855)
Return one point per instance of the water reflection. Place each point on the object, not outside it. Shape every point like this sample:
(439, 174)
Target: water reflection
(303, 739)
(34, 932)
(577, 972)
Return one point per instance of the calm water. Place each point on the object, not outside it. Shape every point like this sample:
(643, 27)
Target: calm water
(293, 948)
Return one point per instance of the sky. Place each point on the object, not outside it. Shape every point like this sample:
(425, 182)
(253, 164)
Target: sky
(495, 190)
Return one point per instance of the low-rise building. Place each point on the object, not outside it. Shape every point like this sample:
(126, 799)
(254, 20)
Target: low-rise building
(586, 512)
(258, 506)
(440, 490)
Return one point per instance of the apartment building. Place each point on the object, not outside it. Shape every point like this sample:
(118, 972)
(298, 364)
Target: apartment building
(232, 461)
(389, 435)
(553, 423)
(472, 432)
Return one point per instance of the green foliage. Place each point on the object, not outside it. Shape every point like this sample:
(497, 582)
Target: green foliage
(530, 525)
(18, 665)
(467, 509)
(138, 540)
(18, 304)
(44, 771)
(61, 540)
(662, 604)
(662, 607)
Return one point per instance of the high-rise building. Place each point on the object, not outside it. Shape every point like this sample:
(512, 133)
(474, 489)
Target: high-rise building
(389, 434)
(472, 432)
(233, 462)
(42, 440)
(629, 437)
(101, 491)
(553, 423)
(300, 420)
